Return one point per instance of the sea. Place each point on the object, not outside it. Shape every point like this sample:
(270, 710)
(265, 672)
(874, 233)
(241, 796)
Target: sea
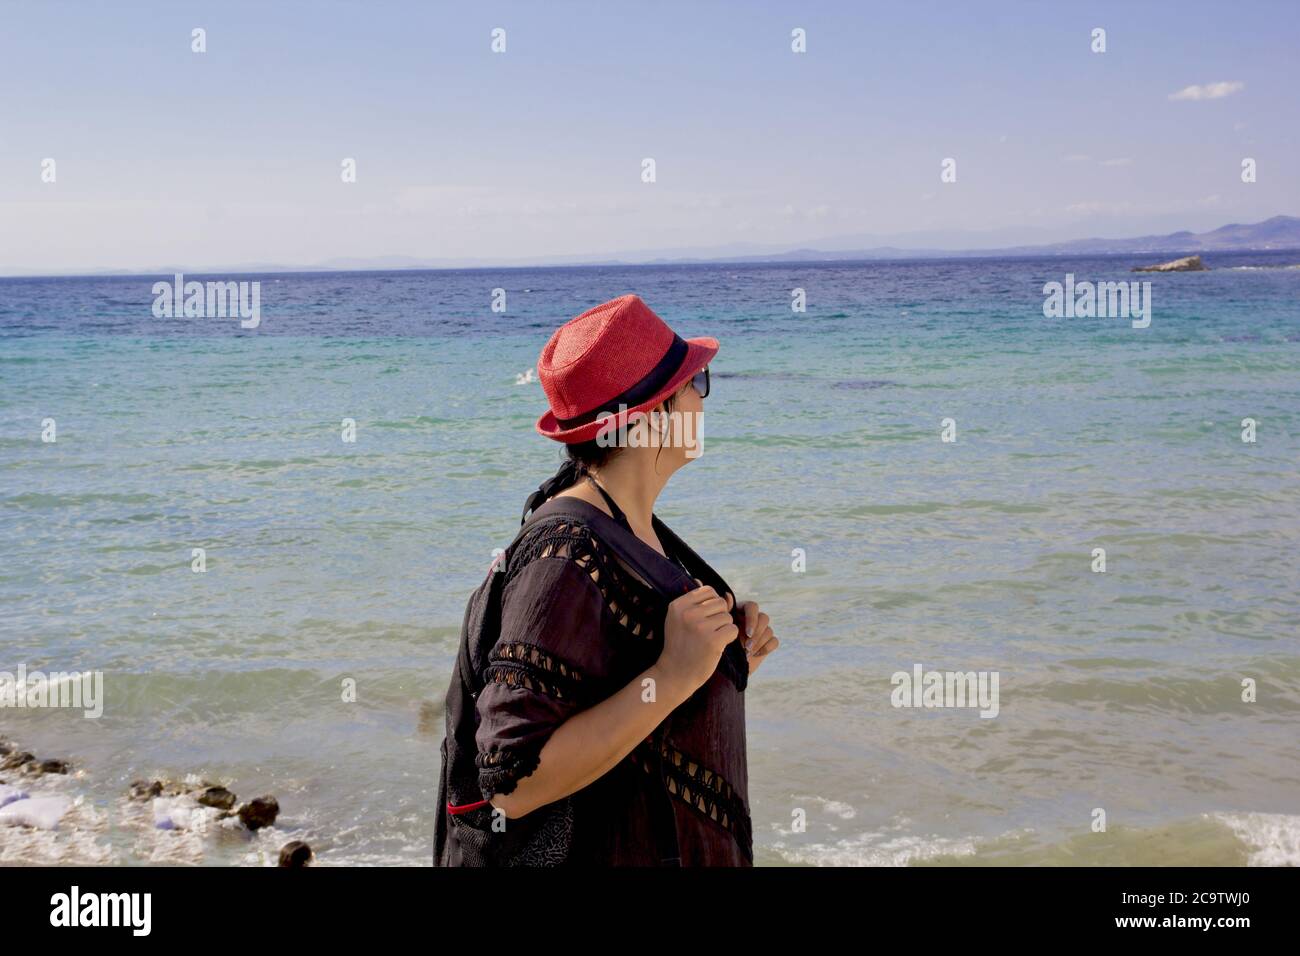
(263, 539)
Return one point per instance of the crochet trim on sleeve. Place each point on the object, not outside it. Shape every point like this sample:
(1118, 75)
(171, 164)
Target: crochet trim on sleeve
(632, 604)
(499, 771)
(520, 664)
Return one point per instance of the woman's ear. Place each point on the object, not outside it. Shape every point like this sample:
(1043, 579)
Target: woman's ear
(659, 418)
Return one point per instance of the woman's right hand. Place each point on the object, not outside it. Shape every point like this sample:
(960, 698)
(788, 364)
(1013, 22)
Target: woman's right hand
(697, 629)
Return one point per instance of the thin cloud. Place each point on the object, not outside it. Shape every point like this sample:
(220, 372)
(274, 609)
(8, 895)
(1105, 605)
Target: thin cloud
(1209, 91)
(1085, 158)
(1095, 207)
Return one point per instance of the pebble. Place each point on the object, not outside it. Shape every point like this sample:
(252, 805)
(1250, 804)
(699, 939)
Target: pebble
(259, 812)
(295, 853)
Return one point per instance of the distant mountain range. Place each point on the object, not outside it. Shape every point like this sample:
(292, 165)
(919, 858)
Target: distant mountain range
(1278, 233)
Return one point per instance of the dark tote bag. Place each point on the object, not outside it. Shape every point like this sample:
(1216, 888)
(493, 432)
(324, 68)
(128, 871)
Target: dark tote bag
(463, 834)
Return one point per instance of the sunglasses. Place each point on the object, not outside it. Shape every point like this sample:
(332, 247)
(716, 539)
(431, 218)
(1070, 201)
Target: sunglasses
(701, 382)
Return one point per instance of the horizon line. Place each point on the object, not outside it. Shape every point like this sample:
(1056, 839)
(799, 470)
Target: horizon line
(938, 256)
(795, 255)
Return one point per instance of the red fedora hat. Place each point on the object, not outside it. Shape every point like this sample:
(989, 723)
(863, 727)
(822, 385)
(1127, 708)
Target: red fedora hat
(617, 354)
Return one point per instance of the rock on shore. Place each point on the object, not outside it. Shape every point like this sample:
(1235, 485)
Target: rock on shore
(259, 812)
(1187, 264)
(193, 802)
(295, 853)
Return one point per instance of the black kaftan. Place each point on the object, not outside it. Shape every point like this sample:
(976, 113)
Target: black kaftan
(576, 626)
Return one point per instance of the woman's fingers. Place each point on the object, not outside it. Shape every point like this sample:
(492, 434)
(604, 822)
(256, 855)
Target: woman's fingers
(708, 591)
(765, 643)
(710, 609)
(751, 617)
(715, 609)
(703, 593)
(729, 627)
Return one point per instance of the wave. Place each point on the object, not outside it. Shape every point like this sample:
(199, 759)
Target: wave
(1273, 838)
(1212, 839)
(870, 849)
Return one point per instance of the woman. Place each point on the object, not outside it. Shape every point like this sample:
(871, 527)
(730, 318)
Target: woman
(611, 720)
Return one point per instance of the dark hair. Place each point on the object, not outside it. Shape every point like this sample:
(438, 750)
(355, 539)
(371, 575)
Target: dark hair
(594, 454)
(580, 457)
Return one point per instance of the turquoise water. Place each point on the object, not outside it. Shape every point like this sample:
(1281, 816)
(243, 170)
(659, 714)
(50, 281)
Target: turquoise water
(329, 560)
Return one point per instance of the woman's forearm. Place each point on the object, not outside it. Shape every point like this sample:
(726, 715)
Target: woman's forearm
(591, 742)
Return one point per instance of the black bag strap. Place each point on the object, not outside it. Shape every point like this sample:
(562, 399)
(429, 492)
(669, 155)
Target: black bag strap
(631, 548)
(735, 663)
(663, 575)
(697, 565)
(657, 571)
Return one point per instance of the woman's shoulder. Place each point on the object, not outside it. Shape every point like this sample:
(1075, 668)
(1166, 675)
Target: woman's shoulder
(569, 535)
(565, 550)
(557, 551)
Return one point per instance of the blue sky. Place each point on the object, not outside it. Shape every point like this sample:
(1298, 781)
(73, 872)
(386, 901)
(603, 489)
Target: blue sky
(168, 157)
